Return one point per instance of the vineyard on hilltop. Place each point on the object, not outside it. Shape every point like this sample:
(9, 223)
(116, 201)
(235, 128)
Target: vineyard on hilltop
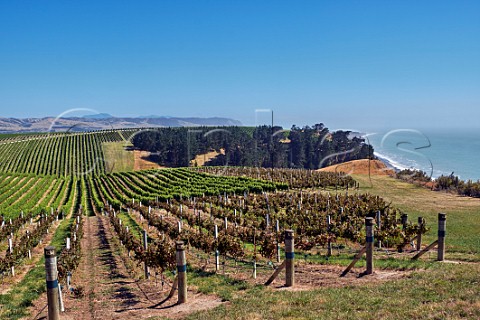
(59, 154)
(51, 183)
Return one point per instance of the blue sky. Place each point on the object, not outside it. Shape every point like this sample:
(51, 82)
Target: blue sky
(349, 64)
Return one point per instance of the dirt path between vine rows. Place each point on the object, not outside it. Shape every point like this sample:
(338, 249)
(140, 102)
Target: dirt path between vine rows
(110, 284)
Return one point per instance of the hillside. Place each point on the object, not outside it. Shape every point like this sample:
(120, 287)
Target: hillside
(105, 122)
(106, 151)
(364, 166)
(60, 154)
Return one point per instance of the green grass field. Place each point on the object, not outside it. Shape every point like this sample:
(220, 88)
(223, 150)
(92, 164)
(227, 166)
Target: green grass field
(444, 292)
(463, 213)
(117, 158)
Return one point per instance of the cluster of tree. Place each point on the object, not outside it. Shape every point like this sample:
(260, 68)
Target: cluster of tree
(264, 146)
(467, 188)
(449, 183)
(413, 175)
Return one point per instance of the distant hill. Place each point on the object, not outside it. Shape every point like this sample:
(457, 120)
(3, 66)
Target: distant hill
(104, 121)
(98, 116)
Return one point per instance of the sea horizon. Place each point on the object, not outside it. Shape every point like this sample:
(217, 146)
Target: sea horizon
(434, 151)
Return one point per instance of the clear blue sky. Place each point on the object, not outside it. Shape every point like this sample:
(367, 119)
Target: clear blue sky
(349, 64)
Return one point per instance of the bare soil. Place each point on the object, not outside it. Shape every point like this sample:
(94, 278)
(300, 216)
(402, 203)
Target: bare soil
(313, 276)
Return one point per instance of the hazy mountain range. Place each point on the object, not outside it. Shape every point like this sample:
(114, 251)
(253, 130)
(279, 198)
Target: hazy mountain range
(104, 121)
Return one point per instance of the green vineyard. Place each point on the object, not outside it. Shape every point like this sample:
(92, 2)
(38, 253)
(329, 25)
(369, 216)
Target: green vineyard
(59, 154)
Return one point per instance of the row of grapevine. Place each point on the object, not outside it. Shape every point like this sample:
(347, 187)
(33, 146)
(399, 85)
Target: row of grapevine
(252, 217)
(295, 178)
(11, 226)
(227, 243)
(27, 192)
(159, 254)
(161, 185)
(69, 258)
(60, 154)
(307, 215)
(23, 246)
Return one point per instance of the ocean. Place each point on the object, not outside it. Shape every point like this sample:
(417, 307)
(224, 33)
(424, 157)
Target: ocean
(436, 152)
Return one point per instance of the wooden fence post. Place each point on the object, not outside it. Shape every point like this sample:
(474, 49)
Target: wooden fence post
(379, 227)
(10, 249)
(277, 228)
(422, 252)
(145, 246)
(329, 243)
(182, 272)
(404, 221)
(369, 227)
(442, 219)
(419, 235)
(52, 283)
(275, 274)
(289, 258)
(355, 260)
(217, 254)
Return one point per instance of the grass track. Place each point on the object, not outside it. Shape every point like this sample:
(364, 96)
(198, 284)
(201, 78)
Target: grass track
(117, 159)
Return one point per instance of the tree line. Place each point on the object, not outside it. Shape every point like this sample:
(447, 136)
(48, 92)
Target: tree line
(263, 146)
(450, 183)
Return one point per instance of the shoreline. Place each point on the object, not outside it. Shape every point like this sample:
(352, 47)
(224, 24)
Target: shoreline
(449, 151)
(389, 163)
(395, 166)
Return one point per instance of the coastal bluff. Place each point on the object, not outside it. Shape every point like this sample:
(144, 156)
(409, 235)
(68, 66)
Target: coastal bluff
(377, 167)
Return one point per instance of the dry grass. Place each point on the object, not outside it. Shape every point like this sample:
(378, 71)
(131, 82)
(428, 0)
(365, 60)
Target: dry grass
(142, 162)
(377, 167)
(201, 159)
(404, 194)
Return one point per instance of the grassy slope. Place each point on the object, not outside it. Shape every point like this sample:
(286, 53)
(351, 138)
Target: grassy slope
(445, 292)
(463, 213)
(117, 159)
